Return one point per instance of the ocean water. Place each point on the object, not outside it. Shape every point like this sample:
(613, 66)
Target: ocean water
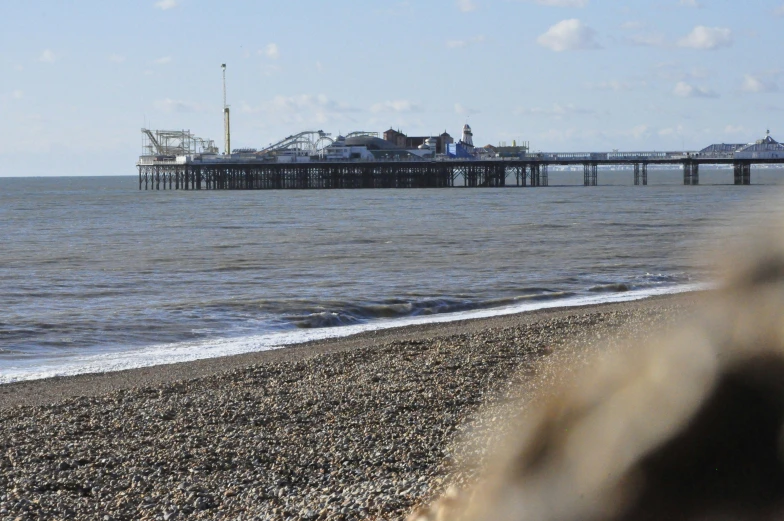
(96, 275)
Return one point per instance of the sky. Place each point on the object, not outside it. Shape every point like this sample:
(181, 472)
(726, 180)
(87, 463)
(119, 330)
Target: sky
(80, 78)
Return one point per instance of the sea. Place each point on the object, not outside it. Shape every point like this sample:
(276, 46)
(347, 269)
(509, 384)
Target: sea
(96, 275)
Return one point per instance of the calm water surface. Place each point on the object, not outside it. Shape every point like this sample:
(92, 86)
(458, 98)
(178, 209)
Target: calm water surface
(93, 270)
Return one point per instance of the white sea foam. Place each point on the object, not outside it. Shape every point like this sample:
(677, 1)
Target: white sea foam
(74, 364)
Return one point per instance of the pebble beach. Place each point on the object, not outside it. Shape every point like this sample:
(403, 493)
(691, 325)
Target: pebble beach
(364, 427)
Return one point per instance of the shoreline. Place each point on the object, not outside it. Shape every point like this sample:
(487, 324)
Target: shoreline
(352, 428)
(110, 360)
(47, 390)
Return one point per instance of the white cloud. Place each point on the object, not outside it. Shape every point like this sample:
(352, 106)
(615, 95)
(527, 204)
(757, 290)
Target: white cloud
(699, 72)
(270, 69)
(116, 58)
(672, 131)
(464, 111)
(560, 135)
(779, 11)
(396, 106)
(172, 105)
(17, 94)
(573, 136)
(735, 130)
(163, 60)
(302, 109)
(707, 38)
(686, 90)
(459, 44)
(617, 86)
(398, 8)
(557, 110)
(563, 3)
(569, 35)
(758, 84)
(690, 3)
(166, 4)
(47, 56)
(270, 51)
(649, 40)
(674, 71)
(466, 5)
(632, 25)
(640, 131)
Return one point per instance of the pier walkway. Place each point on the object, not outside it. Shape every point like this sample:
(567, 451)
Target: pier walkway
(236, 173)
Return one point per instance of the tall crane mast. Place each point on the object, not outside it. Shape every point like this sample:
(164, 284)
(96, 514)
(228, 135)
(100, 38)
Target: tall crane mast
(226, 126)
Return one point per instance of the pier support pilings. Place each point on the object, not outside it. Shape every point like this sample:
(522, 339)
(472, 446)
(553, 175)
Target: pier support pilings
(742, 173)
(310, 176)
(691, 173)
(538, 174)
(640, 174)
(527, 171)
(590, 174)
(534, 174)
(520, 177)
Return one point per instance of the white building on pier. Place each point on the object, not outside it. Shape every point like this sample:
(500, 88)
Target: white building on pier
(765, 148)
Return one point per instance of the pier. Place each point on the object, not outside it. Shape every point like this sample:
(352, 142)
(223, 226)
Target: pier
(178, 160)
(230, 173)
(312, 159)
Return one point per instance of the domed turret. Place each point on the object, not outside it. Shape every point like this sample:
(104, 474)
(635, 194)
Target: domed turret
(468, 136)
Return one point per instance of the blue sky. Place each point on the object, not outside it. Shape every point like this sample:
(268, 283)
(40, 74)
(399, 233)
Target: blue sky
(80, 78)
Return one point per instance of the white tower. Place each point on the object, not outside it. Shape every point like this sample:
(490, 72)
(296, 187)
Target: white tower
(226, 126)
(468, 136)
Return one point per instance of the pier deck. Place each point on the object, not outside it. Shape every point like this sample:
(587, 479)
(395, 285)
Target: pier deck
(238, 174)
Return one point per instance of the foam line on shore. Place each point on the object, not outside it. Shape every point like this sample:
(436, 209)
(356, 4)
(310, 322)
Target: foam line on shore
(74, 364)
